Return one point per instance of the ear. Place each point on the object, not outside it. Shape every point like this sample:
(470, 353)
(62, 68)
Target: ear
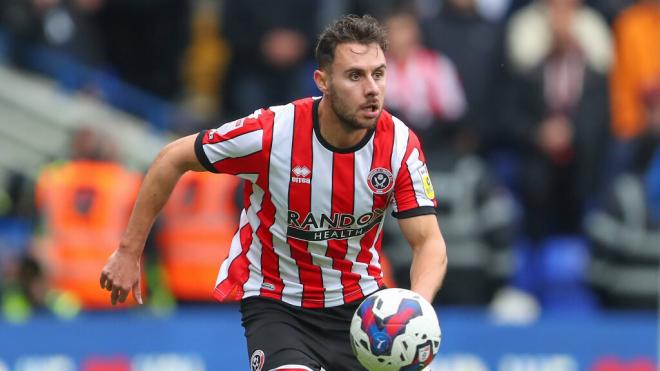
(321, 79)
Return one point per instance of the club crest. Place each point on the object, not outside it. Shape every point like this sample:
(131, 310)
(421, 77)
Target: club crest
(257, 360)
(380, 180)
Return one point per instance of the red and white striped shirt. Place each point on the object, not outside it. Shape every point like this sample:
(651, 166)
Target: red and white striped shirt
(310, 231)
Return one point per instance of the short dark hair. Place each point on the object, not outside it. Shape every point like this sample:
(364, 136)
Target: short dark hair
(349, 28)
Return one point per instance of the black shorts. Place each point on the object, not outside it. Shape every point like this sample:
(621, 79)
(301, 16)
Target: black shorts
(280, 334)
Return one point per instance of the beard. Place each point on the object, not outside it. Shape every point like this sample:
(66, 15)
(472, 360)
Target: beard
(348, 118)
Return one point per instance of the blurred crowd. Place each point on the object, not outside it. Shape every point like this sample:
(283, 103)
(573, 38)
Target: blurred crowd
(540, 120)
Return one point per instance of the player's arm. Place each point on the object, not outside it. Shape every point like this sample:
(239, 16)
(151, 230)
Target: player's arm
(429, 261)
(121, 272)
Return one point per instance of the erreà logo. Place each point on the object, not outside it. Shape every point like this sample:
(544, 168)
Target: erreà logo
(300, 174)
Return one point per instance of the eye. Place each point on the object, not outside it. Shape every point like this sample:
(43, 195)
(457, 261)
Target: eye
(379, 75)
(354, 76)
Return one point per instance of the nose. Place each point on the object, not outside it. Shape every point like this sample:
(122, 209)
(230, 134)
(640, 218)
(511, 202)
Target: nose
(371, 87)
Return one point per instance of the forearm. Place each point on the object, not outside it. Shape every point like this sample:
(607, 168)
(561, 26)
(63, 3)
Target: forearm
(156, 188)
(428, 268)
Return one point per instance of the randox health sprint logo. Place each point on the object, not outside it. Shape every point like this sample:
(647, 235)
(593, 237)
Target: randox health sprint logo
(336, 226)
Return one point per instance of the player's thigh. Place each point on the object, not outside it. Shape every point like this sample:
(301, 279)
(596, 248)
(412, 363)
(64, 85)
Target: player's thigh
(340, 354)
(275, 339)
(329, 338)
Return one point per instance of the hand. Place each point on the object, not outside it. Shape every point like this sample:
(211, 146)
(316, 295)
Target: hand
(555, 135)
(120, 275)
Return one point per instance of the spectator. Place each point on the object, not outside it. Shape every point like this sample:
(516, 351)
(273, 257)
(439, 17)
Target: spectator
(267, 62)
(556, 112)
(16, 195)
(636, 69)
(536, 32)
(625, 233)
(474, 44)
(23, 289)
(84, 205)
(424, 86)
(205, 62)
(145, 42)
(63, 25)
(610, 9)
(195, 232)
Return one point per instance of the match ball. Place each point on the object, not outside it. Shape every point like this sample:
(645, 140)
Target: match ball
(395, 330)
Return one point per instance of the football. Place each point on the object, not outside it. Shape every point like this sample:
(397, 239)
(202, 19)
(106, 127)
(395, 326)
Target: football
(395, 329)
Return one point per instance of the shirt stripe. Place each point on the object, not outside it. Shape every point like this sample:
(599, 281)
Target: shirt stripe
(300, 198)
(235, 268)
(280, 176)
(239, 146)
(363, 203)
(383, 146)
(253, 285)
(272, 284)
(343, 194)
(322, 204)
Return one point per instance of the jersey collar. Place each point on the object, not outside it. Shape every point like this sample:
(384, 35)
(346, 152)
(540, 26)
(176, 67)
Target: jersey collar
(330, 147)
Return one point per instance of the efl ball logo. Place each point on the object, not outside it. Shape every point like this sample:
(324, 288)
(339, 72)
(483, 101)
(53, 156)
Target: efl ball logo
(380, 180)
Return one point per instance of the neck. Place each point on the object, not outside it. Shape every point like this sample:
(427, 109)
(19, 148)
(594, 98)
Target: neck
(334, 131)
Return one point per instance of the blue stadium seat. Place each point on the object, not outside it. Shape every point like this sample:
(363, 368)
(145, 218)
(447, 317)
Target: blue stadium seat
(525, 275)
(563, 265)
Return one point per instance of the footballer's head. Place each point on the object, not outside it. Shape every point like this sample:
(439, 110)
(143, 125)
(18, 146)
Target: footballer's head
(351, 73)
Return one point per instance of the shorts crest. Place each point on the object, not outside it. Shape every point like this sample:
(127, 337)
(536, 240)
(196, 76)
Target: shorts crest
(257, 360)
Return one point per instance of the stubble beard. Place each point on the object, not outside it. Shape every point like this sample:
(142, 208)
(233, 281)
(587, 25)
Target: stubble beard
(348, 120)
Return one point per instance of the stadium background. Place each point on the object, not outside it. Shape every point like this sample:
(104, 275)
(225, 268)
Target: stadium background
(553, 266)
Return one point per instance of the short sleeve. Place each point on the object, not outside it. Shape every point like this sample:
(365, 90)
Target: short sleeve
(235, 147)
(413, 190)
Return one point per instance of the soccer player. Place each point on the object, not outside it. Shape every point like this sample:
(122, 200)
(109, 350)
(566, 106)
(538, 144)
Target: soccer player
(320, 174)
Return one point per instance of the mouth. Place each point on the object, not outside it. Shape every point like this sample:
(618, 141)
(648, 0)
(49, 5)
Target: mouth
(370, 110)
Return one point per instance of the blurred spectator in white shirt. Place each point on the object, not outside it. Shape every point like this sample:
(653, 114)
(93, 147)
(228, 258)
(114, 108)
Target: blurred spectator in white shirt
(423, 86)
